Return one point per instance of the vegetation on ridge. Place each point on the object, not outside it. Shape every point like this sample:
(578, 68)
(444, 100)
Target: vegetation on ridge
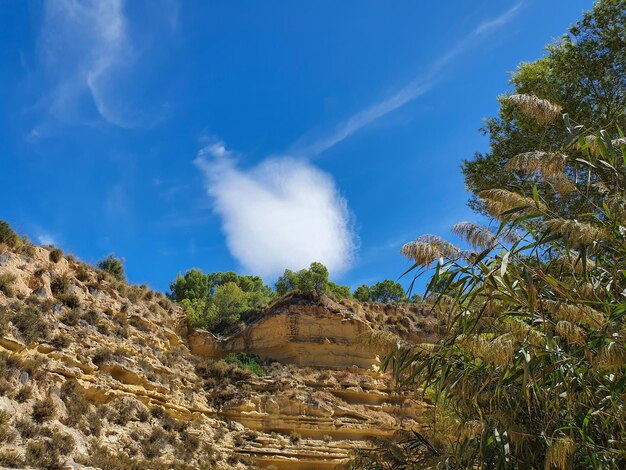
(220, 302)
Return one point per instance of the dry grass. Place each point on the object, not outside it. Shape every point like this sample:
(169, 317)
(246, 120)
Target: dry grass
(43, 410)
(428, 248)
(542, 111)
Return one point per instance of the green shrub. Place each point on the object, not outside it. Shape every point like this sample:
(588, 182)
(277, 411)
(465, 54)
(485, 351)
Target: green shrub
(102, 458)
(93, 424)
(71, 318)
(4, 320)
(43, 410)
(102, 328)
(59, 285)
(5, 417)
(383, 292)
(8, 435)
(6, 283)
(306, 281)
(312, 281)
(69, 300)
(218, 301)
(295, 437)
(55, 255)
(60, 341)
(64, 443)
(11, 459)
(43, 454)
(337, 291)
(91, 317)
(5, 387)
(101, 355)
(127, 409)
(76, 404)
(26, 428)
(8, 236)
(154, 443)
(82, 272)
(24, 394)
(114, 266)
(245, 361)
(30, 324)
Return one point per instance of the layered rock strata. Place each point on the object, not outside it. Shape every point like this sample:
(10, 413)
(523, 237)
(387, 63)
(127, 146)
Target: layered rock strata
(126, 378)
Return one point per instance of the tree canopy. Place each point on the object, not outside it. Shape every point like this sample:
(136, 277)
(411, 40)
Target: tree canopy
(219, 301)
(311, 281)
(384, 292)
(584, 75)
(114, 266)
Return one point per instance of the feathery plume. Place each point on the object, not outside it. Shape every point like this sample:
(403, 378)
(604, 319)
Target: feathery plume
(579, 313)
(470, 429)
(574, 232)
(610, 357)
(426, 249)
(589, 292)
(543, 111)
(517, 438)
(548, 164)
(562, 184)
(559, 452)
(570, 262)
(499, 201)
(497, 352)
(591, 142)
(494, 307)
(476, 235)
(522, 332)
(380, 340)
(571, 333)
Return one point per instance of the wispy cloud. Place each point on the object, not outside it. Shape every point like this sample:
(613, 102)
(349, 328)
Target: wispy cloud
(117, 204)
(283, 213)
(46, 239)
(495, 23)
(82, 45)
(90, 62)
(408, 93)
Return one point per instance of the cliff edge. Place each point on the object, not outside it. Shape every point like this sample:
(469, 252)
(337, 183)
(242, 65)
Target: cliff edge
(100, 374)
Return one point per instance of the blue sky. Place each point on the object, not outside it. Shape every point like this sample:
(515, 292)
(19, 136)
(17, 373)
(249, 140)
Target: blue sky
(252, 136)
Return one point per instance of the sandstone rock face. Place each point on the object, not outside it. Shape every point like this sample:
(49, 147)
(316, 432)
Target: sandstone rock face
(334, 394)
(333, 413)
(322, 333)
(126, 378)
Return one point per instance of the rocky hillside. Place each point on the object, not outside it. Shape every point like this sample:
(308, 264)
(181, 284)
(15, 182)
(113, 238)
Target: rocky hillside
(99, 374)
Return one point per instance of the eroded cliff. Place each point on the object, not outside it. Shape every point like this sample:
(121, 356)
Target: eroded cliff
(106, 375)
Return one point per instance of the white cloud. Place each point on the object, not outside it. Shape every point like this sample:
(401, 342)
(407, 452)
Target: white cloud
(92, 67)
(283, 213)
(408, 93)
(84, 44)
(504, 18)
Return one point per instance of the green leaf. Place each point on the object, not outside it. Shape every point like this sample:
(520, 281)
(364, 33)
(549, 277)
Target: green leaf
(505, 263)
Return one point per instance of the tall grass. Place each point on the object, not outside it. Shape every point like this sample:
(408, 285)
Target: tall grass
(530, 371)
